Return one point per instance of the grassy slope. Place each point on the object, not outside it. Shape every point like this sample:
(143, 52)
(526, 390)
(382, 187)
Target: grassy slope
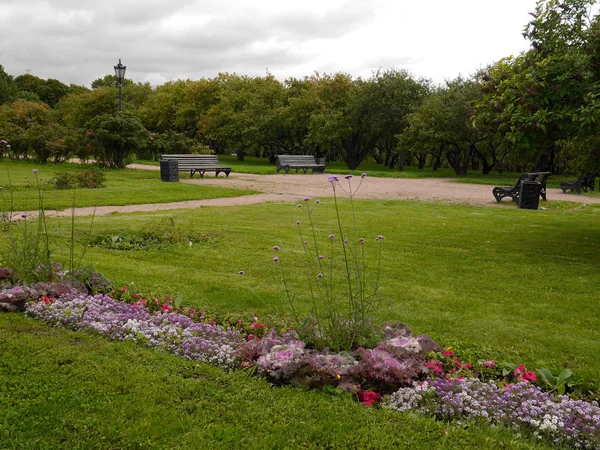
(123, 187)
(499, 283)
(74, 390)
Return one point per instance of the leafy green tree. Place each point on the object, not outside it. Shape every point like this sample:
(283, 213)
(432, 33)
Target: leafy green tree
(541, 106)
(442, 124)
(115, 138)
(8, 87)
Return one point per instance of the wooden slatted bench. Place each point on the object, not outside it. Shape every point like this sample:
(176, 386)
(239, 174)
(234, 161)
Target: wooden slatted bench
(513, 192)
(583, 182)
(300, 162)
(198, 164)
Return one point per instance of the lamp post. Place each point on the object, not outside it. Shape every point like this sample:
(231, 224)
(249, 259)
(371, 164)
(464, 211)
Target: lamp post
(120, 76)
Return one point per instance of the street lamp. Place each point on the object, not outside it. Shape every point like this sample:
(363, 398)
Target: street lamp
(120, 76)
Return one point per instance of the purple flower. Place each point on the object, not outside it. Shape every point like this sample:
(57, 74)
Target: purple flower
(380, 237)
(307, 199)
(299, 205)
(241, 272)
(362, 175)
(318, 201)
(276, 259)
(321, 256)
(305, 242)
(35, 171)
(276, 247)
(24, 216)
(331, 236)
(3, 142)
(7, 145)
(489, 364)
(319, 276)
(333, 178)
(347, 177)
(297, 222)
(345, 241)
(362, 241)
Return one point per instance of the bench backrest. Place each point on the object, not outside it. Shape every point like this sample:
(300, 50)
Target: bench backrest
(295, 159)
(197, 160)
(540, 177)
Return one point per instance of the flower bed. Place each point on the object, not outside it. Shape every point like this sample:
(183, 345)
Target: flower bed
(392, 366)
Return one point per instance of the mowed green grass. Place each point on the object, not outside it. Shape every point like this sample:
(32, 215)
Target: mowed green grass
(62, 389)
(123, 187)
(496, 283)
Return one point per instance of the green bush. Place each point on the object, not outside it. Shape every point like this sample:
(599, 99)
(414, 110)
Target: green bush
(93, 178)
(64, 180)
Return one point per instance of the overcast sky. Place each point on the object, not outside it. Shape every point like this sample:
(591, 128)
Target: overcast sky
(77, 41)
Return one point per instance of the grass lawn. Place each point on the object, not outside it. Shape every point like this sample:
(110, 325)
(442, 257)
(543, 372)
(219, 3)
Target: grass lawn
(506, 284)
(73, 390)
(123, 187)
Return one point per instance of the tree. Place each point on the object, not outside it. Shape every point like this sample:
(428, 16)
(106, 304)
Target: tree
(442, 123)
(116, 137)
(8, 87)
(541, 106)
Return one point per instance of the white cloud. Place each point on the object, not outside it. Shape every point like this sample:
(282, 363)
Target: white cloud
(77, 41)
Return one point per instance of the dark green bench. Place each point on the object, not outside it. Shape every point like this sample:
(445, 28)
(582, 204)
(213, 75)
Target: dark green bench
(198, 164)
(583, 182)
(513, 192)
(300, 162)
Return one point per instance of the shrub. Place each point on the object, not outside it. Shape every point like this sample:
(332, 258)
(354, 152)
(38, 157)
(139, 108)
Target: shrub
(64, 180)
(93, 178)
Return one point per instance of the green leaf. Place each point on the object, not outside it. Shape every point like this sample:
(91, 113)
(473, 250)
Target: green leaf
(564, 375)
(178, 301)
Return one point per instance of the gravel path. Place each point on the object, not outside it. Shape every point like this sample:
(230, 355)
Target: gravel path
(294, 187)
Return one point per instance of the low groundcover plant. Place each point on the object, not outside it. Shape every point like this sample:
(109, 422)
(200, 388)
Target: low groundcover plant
(521, 405)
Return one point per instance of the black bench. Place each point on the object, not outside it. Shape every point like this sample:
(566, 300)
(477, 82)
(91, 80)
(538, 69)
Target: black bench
(583, 182)
(513, 192)
(300, 162)
(198, 164)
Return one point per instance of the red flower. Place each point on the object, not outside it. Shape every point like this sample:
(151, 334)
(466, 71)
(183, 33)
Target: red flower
(368, 397)
(447, 353)
(529, 376)
(166, 308)
(47, 300)
(124, 288)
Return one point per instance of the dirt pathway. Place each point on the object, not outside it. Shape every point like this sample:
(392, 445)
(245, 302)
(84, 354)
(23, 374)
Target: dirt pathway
(295, 187)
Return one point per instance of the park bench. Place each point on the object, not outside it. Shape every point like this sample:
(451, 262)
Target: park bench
(198, 164)
(513, 192)
(583, 182)
(300, 162)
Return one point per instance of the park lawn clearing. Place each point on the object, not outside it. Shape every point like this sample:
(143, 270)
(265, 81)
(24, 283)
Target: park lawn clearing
(123, 187)
(507, 284)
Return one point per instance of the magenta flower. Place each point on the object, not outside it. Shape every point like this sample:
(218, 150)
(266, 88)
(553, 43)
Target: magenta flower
(275, 259)
(276, 247)
(489, 364)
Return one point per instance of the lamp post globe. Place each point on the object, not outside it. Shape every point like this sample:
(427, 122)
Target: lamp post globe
(120, 76)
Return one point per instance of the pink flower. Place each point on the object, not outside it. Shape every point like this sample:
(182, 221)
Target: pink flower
(166, 308)
(275, 259)
(124, 288)
(489, 364)
(519, 370)
(368, 397)
(250, 337)
(529, 376)
(447, 353)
